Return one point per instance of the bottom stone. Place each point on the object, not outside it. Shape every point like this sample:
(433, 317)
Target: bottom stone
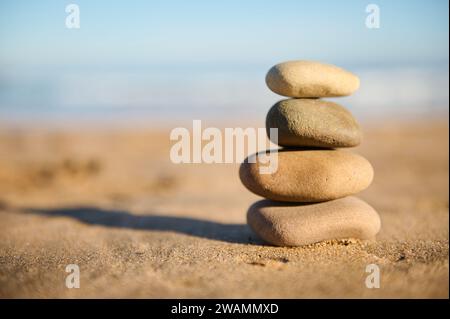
(288, 224)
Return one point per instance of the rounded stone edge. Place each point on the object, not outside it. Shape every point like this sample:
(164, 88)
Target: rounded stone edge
(277, 83)
(274, 112)
(282, 237)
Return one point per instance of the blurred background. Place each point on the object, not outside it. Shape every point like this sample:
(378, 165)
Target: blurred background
(77, 187)
(161, 61)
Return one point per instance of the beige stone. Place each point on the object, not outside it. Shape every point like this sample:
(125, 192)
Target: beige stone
(309, 175)
(310, 79)
(311, 122)
(284, 224)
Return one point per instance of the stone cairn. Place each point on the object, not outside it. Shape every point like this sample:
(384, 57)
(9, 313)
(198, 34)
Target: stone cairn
(308, 197)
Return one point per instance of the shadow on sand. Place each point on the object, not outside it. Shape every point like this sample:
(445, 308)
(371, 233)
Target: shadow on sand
(232, 233)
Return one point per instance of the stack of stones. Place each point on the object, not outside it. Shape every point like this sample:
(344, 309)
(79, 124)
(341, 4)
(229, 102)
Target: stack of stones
(309, 197)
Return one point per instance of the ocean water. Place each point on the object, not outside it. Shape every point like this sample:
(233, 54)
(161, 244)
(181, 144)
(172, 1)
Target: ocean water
(185, 93)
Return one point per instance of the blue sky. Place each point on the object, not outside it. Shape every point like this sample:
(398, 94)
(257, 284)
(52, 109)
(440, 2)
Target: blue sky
(196, 57)
(235, 32)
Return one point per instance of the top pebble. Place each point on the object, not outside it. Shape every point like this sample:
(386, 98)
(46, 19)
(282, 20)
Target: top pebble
(308, 79)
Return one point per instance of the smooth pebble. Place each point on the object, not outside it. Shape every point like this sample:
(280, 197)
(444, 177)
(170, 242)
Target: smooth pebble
(285, 224)
(309, 175)
(310, 79)
(310, 122)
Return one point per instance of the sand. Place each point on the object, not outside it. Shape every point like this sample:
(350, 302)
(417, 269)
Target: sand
(110, 201)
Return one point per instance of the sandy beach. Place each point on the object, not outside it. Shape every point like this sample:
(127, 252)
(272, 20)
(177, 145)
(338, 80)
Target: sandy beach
(111, 201)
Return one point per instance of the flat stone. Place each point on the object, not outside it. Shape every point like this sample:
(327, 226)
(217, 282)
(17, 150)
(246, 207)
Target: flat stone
(284, 224)
(310, 122)
(310, 79)
(308, 175)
